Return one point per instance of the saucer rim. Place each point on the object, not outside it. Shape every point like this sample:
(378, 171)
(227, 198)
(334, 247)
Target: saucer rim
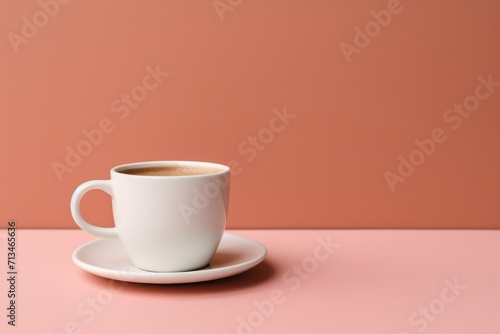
(149, 277)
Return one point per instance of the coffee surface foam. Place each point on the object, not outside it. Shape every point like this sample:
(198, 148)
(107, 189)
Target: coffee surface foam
(170, 171)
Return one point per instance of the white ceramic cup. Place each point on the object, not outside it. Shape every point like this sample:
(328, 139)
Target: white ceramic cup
(165, 223)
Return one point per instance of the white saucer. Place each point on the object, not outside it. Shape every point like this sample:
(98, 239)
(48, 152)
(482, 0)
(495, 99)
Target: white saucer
(107, 258)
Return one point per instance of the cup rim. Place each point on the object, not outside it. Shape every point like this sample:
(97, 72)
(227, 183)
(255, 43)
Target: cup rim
(117, 169)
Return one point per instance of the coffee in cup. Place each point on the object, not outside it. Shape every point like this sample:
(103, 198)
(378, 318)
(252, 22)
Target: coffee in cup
(169, 215)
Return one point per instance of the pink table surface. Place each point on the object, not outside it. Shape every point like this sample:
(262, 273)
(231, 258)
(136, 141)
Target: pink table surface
(366, 281)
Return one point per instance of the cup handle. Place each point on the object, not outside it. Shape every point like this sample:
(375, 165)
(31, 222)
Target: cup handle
(104, 185)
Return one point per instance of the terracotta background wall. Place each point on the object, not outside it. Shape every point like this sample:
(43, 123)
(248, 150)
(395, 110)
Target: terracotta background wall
(320, 106)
